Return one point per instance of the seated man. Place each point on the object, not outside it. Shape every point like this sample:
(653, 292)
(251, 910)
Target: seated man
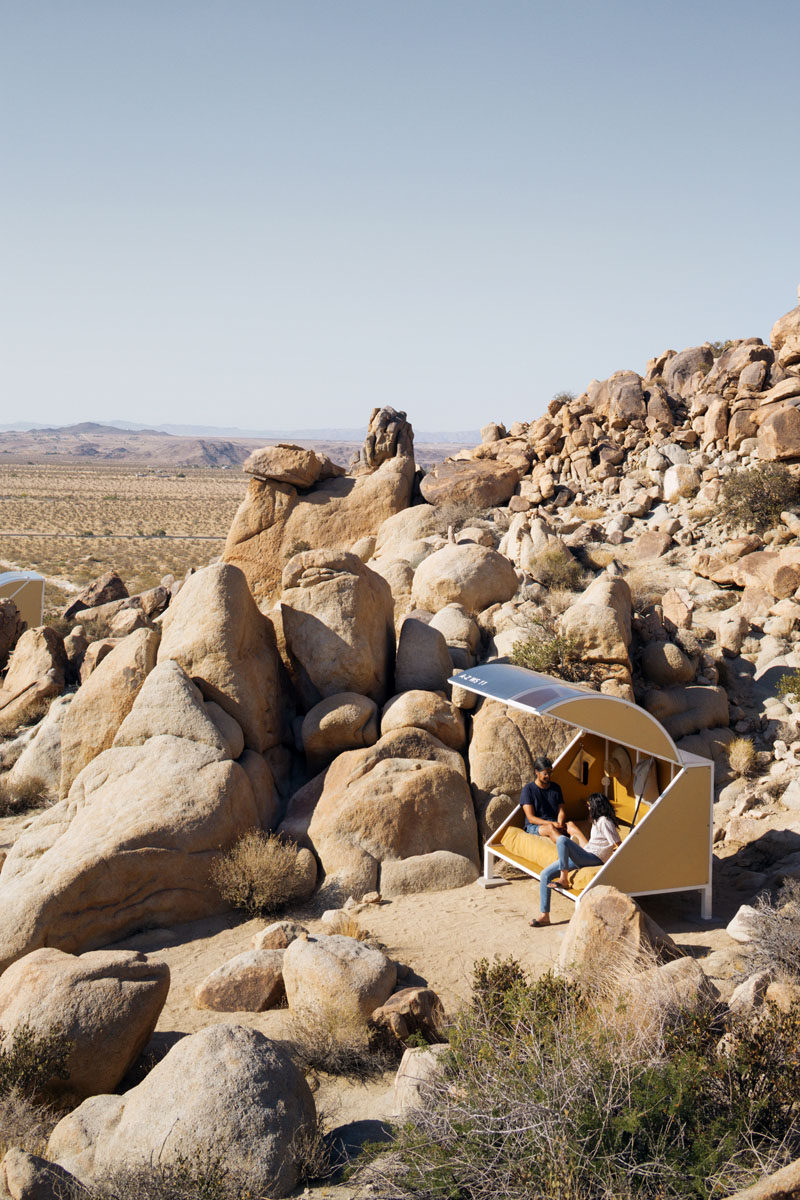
(543, 803)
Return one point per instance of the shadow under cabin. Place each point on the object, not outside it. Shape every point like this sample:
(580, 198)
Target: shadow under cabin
(663, 797)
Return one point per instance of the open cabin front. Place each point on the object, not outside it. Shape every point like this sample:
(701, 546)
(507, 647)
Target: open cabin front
(662, 796)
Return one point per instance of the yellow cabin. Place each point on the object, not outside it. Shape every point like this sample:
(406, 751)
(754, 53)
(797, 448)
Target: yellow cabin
(26, 589)
(662, 796)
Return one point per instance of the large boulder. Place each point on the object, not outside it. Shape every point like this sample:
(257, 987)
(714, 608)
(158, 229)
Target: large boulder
(399, 534)
(685, 710)
(436, 872)
(600, 621)
(473, 576)
(39, 764)
(344, 721)
(423, 660)
(130, 846)
(103, 590)
(286, 463)
(250, 982)
(275, 521)
(461, 632)
(785, 338)
(404, 796)
(609, 932)
(337, 976)
(106, 1004)
(481, 483)
(26, 1176)
(35, 674)
(225, 1090)
(224, 644)
(103, 702)
(338, 625)
(430, 711)
(169, 703)
(504, 743)
(779, 434)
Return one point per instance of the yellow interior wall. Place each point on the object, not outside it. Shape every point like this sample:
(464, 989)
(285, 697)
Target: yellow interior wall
(671, 847)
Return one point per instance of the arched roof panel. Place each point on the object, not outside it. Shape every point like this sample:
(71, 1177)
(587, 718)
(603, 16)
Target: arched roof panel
(608, 716)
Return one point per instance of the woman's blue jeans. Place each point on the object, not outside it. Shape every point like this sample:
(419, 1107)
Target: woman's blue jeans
(568, 852)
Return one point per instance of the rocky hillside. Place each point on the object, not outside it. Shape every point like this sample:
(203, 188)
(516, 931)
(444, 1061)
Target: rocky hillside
(641, 538)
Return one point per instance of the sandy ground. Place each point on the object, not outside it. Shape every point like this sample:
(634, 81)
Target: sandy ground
(435, 938)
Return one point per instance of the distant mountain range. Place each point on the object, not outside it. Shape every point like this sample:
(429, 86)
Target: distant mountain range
(467, 437)
(190, 446)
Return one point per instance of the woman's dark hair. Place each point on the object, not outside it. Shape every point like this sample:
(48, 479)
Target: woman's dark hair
(542, 763)
(600, 806)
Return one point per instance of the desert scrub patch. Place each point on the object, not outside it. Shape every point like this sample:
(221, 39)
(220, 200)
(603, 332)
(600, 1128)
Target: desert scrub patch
(261, 874)
(28, 794)
(788, 686)
(326, 1041)
(546, 650)
(557, 569)
(545, 1094)
(741, 755)
(24, 1122)
(30, 1060)
(755, 497)
(775, 933)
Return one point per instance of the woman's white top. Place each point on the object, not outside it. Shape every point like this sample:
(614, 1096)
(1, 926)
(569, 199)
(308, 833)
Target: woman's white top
(605, 836)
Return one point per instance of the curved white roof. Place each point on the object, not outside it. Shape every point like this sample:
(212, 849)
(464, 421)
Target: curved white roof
(609, 716)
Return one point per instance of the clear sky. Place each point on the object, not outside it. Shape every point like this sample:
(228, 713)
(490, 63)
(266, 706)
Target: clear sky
(281, 213)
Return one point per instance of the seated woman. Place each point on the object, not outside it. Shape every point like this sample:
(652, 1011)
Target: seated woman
(579, 851)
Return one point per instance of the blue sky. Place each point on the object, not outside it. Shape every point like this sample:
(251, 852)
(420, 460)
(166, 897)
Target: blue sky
(274, 215)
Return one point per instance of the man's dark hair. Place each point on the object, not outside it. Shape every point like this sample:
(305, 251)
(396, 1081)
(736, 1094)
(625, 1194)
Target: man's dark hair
(542, 763)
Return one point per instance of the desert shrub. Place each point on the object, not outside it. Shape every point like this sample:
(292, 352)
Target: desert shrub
(755, 497)
(741, 755)
(459, 514)
(587, 512)
(325, 1041)
(775, 933)
(718, 348)
(788, 686)
(559, 1100)
(563, 397)
(297, 548)
(24, 1122)
(206, 1177)
(311, 1152)
(260, 874)
(550, 652)
(28, 1060)
(28, 794)
(556, 568)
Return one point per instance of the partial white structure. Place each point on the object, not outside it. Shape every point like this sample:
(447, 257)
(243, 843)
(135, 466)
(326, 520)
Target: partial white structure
(26, 589)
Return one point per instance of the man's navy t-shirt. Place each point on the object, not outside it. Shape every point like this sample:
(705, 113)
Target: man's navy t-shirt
(545, 802)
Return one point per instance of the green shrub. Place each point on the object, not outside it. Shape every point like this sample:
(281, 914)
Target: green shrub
(788, 686)
(550, 652)
(560, 1100)
(29, 1060)
(755, 497)
(557, 570)
(261, 874)
(718, 348)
